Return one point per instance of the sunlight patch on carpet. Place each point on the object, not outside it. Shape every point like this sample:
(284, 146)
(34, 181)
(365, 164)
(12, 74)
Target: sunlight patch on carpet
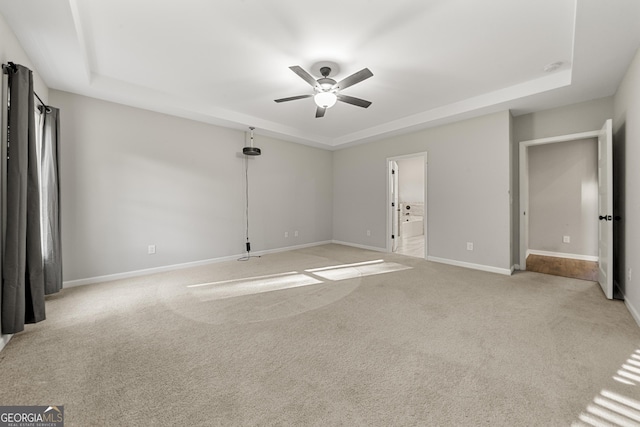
(291, 279)
(360, 269)
(611, 408)
(263, 297)
(253, 285)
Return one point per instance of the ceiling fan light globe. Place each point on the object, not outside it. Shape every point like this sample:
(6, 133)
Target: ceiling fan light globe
(325, 99)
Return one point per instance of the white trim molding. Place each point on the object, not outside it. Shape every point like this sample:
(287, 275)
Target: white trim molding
(488, 268)
(136, 273)
(523, 157)
(635, 313)
(4, 340)
(356, 245)
(425, 216)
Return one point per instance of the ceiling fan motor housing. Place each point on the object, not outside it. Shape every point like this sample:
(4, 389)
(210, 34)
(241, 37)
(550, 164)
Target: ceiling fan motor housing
(326, 84)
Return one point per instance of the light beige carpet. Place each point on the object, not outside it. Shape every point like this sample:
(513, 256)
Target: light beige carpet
(330, 335)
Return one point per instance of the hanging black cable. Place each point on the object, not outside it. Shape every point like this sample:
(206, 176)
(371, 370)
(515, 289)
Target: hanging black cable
(43, 105)
(248, 151)
(246, 210)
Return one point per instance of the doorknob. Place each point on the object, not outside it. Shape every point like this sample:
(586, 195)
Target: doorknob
(605, 217)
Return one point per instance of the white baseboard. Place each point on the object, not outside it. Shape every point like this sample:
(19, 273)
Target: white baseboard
(4, 340)
(504, 271)
(635, 313)
(288, 248)
(136, 273)
(356, 245)
(562, 255)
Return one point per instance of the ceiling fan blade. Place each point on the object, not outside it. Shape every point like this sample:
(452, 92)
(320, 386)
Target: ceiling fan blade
(305, 76)
(293, 98)
(353, 79)
(354, 101)
(320, 112)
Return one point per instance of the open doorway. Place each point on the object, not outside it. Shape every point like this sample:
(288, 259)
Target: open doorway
(565, 201)
(406, 207)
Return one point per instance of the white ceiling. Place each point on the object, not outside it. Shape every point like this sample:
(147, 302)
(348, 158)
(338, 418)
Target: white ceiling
(434, 61)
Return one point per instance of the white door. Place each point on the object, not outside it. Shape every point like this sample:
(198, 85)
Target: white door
(395, 208)
(605, 209)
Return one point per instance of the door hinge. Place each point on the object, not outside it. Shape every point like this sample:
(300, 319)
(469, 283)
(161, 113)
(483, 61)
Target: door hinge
(393, 204)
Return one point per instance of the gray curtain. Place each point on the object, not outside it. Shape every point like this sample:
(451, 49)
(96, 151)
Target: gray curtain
(48, 129)
(22, 272)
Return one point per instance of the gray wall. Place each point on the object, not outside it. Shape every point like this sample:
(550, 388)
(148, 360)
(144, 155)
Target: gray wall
(10, 50)
(131, 178)
(411, 180)
(626, 141)
(563, 197)
(575, 118)
(467, 195)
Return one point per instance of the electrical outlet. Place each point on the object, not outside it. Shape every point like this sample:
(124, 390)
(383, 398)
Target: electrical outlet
(469, 246)
(286, 234)
(566, 239)
(295, 233)
(151, 249)
(368, 233)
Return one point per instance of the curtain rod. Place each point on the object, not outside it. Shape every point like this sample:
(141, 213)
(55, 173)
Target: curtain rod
(12, 67)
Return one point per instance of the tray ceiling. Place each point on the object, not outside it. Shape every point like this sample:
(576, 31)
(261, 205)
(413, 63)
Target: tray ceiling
(434, 61)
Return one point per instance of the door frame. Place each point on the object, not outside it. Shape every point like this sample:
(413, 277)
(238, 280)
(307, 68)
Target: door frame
(394, 204)
(524, 183)
(424, 155)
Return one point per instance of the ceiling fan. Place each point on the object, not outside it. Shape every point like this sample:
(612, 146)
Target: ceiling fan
(327, 90)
